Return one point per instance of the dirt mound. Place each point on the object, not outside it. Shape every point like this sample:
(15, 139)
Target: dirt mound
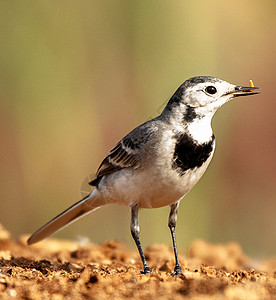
(57, 269)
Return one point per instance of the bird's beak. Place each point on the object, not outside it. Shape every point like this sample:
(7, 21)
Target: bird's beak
(244, 91)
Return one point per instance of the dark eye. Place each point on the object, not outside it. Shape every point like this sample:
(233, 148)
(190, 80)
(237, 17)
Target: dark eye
(211, 90)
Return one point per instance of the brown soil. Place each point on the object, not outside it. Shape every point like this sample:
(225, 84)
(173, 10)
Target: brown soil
(57, 269)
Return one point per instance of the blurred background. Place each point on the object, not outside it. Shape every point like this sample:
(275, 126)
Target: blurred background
(76, 76)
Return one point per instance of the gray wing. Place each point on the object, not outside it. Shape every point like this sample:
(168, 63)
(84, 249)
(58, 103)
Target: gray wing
(125, 154)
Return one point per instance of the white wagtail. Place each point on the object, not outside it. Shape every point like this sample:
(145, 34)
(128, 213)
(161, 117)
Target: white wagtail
(158, 162)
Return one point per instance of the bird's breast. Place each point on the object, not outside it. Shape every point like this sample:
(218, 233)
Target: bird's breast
(169, 169)
(188, 154)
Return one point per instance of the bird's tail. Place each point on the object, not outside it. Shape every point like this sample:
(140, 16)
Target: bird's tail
(71, 214)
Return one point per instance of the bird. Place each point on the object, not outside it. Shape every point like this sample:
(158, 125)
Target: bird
(158, 162)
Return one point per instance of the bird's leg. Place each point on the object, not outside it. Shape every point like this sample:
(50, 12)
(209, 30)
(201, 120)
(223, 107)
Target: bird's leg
(135, 234)
(172, 223)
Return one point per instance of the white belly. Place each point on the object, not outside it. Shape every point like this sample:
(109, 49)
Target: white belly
(151, 189)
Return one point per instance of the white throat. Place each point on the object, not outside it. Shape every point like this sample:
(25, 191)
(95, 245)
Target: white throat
(200, 129)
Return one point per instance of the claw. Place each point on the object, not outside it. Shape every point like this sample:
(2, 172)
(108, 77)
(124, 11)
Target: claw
(147, 270)
(177, 271)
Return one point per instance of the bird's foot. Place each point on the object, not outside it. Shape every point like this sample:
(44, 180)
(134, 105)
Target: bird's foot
(147, 270)
(177, 270)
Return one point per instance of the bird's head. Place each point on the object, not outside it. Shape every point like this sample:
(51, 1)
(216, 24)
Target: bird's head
(203, 95)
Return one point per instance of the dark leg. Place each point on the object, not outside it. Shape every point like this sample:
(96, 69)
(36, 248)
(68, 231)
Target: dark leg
(172, 223)
(135, 234)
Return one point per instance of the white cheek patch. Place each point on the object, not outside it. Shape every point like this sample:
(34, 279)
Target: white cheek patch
(198, 97)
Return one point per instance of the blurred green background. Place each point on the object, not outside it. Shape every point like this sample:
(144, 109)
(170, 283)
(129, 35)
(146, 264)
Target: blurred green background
(76, 76)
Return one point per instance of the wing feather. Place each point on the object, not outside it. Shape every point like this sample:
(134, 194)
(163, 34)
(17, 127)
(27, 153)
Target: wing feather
(124, 155)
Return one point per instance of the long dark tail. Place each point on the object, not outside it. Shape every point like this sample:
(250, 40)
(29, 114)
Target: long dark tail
(74, 212)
